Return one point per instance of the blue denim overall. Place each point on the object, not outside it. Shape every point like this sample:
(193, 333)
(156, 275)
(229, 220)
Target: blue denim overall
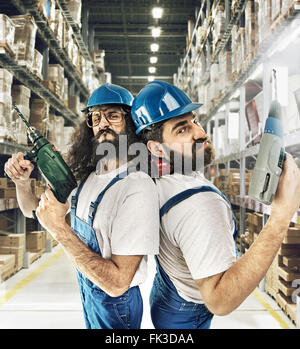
(168, 309)
(102, 311)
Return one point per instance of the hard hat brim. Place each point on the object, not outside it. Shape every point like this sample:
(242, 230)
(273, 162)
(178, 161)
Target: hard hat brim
(177, 112)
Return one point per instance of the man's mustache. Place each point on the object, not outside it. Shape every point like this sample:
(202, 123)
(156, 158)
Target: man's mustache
(107, 130)
(200, 141)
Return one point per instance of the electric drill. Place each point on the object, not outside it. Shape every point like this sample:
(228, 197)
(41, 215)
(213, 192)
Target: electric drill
(270, 159)
(49, 162)
(271, 156)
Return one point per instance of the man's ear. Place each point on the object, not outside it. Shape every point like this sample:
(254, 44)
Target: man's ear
(155, 149)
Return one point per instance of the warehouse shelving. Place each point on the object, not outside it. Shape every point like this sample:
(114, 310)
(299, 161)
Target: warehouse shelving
(29, 80)
(243, 157)
(231, 20)
(54, 46)
(51, 48)
(78, 37)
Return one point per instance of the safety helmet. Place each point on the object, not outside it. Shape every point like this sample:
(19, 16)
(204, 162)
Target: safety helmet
(159, 101)
(109, 94)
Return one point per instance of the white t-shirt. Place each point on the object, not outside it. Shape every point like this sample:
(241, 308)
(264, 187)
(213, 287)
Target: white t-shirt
(196, 235)
(127, 219)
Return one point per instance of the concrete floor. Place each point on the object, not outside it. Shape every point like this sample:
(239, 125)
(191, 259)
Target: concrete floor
(46, 296)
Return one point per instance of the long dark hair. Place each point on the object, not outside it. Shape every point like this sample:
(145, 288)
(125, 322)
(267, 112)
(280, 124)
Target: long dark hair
(81, 157)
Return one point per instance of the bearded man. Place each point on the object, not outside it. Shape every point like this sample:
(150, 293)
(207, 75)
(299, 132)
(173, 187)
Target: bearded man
(198, 274)
(108, 240)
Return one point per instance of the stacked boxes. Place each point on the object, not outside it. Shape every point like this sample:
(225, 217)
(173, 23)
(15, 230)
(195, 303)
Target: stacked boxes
(12, 243)
(7, 262)
(74, 7)
(264, 19)
(39, 115)
(56, 75)
(218, 25)
(36, 241)
(7, 32)
(6, 79)
(20, 97)
(289, 271)
(230, 184)
(251, 22)
(37, 64)
(7, 188)
(74, 104)
(98, 59)
(24, 40)
(47, 7)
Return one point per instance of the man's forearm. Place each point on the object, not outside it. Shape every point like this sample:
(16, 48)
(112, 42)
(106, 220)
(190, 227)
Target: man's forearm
(27, 200)
(102, 272)
(237, 283)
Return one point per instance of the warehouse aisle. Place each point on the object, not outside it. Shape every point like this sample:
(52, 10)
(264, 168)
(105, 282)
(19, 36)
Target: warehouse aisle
(46, 296)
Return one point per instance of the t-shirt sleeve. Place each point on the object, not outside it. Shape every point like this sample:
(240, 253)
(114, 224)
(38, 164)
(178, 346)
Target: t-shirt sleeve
(205, 235)
(135, 229)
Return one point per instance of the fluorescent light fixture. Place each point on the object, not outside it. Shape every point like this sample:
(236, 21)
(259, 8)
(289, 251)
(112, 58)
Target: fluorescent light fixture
(150, 78)
(152, 70)
(157, 12)
(153, 60)
(155, 32)
(154, 47)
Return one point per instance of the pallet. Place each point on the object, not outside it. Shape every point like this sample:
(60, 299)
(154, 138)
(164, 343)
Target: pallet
(287, 306)
(33, 256)
(285, 287)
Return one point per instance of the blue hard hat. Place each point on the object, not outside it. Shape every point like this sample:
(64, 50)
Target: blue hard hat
(159, 101)
(109, 94)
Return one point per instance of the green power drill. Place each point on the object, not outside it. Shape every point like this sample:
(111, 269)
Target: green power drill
(49, 162)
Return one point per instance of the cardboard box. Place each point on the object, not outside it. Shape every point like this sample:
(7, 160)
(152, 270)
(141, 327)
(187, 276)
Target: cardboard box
(18, 252)
(35, 241)
(7, 260)
(6, 183)
(24, 39)
(8, 193)
(8, 239)
(7, 32)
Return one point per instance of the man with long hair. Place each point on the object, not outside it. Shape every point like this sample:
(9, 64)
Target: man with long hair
(114, 212)
(197, 271)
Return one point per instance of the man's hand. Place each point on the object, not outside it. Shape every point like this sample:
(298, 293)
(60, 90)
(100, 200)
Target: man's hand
(51, 213)
(287, 198)
(18, 169)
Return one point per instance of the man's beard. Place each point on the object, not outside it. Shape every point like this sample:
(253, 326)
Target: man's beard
(200, 158)
(115, 149)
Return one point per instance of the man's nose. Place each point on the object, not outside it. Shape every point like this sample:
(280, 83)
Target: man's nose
(103, 121)
(198, 132)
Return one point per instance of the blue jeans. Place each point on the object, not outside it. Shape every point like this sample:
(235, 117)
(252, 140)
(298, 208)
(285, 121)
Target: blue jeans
(170, 311)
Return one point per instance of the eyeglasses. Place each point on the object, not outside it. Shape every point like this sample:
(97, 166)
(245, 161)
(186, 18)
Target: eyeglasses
(113, 117)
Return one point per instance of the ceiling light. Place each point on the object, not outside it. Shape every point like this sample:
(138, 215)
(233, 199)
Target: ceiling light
(154, 47)
(153, 60)
(157, 12)
(155, 32)
(150, 78)
(152, 70)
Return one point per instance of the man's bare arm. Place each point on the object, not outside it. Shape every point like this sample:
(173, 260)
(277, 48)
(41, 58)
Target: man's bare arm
(223, 292)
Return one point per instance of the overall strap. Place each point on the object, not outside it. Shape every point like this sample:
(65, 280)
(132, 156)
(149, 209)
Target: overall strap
(174, 200)
(94, 204)
(74, 199)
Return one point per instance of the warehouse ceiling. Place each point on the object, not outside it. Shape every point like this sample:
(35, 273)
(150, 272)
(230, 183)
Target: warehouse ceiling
(123, 29)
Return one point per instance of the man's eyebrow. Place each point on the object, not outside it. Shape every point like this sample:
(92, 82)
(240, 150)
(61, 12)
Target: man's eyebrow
(178, 124)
